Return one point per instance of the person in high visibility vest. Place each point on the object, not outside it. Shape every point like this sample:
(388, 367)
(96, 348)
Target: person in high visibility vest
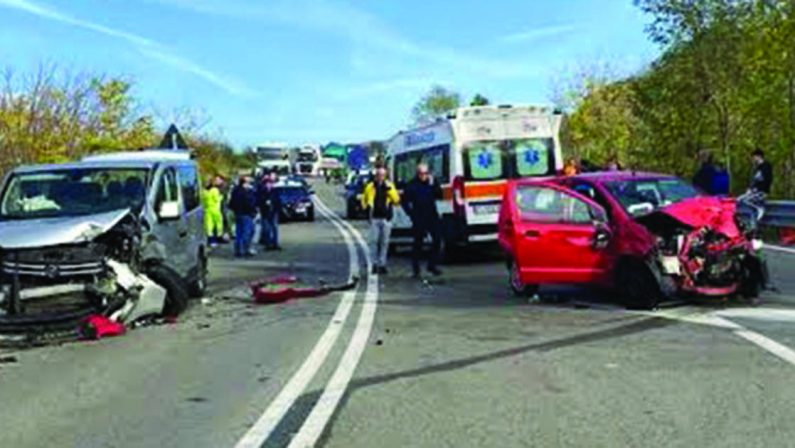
(212, 201)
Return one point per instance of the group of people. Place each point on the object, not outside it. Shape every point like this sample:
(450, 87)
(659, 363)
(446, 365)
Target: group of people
(380, 198)
(246, 201)
(713, 177)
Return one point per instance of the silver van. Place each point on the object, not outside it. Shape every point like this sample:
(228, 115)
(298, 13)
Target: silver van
(120, 234)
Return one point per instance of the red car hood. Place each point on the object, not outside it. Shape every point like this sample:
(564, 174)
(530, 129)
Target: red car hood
(714, 213)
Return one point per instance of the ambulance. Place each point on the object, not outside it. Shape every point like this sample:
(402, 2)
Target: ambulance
(472, 153)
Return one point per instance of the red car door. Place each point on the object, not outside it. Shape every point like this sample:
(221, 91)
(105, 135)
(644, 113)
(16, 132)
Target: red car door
(559, 236)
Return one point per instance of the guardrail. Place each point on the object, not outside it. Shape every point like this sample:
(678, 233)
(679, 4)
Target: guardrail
(779, 214)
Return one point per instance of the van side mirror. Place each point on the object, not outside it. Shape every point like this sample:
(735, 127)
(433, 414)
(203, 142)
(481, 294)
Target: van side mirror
(169, 211)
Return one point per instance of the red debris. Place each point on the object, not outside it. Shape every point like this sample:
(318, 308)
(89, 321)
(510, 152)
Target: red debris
(282, 289)
(97, 327)
(787, 236)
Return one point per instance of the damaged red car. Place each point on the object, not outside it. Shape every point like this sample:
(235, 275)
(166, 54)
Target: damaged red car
(647, 236)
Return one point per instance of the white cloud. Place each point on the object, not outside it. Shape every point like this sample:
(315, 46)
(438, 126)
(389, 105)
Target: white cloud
(537, 33)
(145, 46)
(361, 28)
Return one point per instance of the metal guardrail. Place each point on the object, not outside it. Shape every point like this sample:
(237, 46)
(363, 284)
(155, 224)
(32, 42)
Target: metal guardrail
(779, 214)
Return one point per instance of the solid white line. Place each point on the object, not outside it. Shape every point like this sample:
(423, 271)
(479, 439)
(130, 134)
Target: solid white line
(786, 250)
(780, 350)
(278, 408)
(716, 319)
(324, 409)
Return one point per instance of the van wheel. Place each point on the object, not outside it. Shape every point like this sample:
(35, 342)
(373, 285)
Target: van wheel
(176, 292)
(637, 285)
(518, 287)
(199, 285)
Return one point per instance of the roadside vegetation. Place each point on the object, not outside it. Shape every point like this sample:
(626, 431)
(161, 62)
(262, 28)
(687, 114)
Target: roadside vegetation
(724, 83)
(52, 115)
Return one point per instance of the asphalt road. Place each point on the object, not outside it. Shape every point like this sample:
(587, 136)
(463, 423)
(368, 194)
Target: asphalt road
(454, 362)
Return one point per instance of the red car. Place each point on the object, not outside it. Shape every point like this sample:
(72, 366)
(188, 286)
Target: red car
(648, 236)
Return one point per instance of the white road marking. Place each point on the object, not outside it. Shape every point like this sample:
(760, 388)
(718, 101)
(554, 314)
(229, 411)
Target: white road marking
(324, 409)
(278, 408)
(780, 350)
(786, 250)
(766, 314)
(718, 319)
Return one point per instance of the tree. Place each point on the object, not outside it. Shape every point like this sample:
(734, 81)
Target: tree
(479, 100)
(437, 102)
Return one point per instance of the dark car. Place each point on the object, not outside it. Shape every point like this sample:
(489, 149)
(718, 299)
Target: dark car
(354, 189)
(296, 202)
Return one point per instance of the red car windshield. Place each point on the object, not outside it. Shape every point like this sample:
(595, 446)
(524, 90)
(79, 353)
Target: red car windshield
(642, 196)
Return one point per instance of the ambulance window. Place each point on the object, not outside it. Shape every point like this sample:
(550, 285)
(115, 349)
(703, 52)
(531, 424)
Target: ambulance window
(532, 157)
(484, 161)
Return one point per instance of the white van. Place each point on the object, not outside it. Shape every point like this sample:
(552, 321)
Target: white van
(473, 153)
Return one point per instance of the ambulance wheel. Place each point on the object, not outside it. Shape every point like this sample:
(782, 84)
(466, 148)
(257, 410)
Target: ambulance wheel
(518, 287)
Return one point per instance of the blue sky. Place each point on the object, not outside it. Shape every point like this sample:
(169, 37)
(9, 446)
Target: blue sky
(321, 70)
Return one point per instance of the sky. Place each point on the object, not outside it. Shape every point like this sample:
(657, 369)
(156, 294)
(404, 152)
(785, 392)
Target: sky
(301, 71)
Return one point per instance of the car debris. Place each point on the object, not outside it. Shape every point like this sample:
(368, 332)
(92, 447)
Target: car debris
(283, 289)
(99, 327)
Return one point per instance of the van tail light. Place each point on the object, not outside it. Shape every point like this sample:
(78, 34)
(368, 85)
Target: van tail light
(459, 197)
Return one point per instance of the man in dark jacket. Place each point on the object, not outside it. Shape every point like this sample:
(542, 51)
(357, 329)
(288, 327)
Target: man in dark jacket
(269, 203)
(243, 204)
(762, 177)
(419, 202)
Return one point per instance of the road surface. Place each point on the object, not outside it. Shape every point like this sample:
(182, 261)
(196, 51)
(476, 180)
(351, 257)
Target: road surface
(454, 362)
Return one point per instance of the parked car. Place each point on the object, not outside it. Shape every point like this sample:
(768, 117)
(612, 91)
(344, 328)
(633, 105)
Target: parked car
(649, 236)
(296, 202)
(354, 188)
(119, 234)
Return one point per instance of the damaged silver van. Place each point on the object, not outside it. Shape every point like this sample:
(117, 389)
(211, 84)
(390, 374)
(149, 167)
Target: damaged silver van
(120, 235)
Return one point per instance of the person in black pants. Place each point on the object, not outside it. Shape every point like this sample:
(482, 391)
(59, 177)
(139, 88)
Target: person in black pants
(419, 202)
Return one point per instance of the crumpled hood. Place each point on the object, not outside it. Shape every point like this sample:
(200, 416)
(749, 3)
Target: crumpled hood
(45, 232)
(714, 213)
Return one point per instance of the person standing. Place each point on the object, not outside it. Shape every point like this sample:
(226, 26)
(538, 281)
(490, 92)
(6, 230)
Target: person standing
(269, 204)
(244, 205)
(419, 202)
(378, 200)
(762, 177)
(705, 175)
(212, 200)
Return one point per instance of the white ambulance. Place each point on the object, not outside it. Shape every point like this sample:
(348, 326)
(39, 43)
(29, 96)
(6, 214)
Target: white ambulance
(473, 153)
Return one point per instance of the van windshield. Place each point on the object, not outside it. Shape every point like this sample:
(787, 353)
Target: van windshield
(507, 159)
(72, 192)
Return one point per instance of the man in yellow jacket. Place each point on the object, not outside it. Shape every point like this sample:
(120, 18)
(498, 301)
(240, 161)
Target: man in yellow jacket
(212, 201)
(379, 199)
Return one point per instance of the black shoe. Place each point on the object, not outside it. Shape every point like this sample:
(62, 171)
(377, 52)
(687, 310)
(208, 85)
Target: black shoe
(376, 270)
(277, 248)
(383, 270)
(416, 274)
(435, 271)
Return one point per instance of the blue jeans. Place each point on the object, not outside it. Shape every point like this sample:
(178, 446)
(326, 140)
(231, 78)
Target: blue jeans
(269, 234)
(244, 233)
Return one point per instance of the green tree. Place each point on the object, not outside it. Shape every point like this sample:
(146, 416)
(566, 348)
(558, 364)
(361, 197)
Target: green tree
(479, 100)
(437, 102)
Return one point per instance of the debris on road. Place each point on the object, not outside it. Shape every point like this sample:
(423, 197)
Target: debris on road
(282, 289)
(9, 359)
(98, 327)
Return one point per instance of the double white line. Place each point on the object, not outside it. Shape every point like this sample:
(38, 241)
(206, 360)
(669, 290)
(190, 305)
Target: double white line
(321, 413)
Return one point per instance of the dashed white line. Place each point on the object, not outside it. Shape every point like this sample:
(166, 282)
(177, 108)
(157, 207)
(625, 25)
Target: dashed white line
(298, 383)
